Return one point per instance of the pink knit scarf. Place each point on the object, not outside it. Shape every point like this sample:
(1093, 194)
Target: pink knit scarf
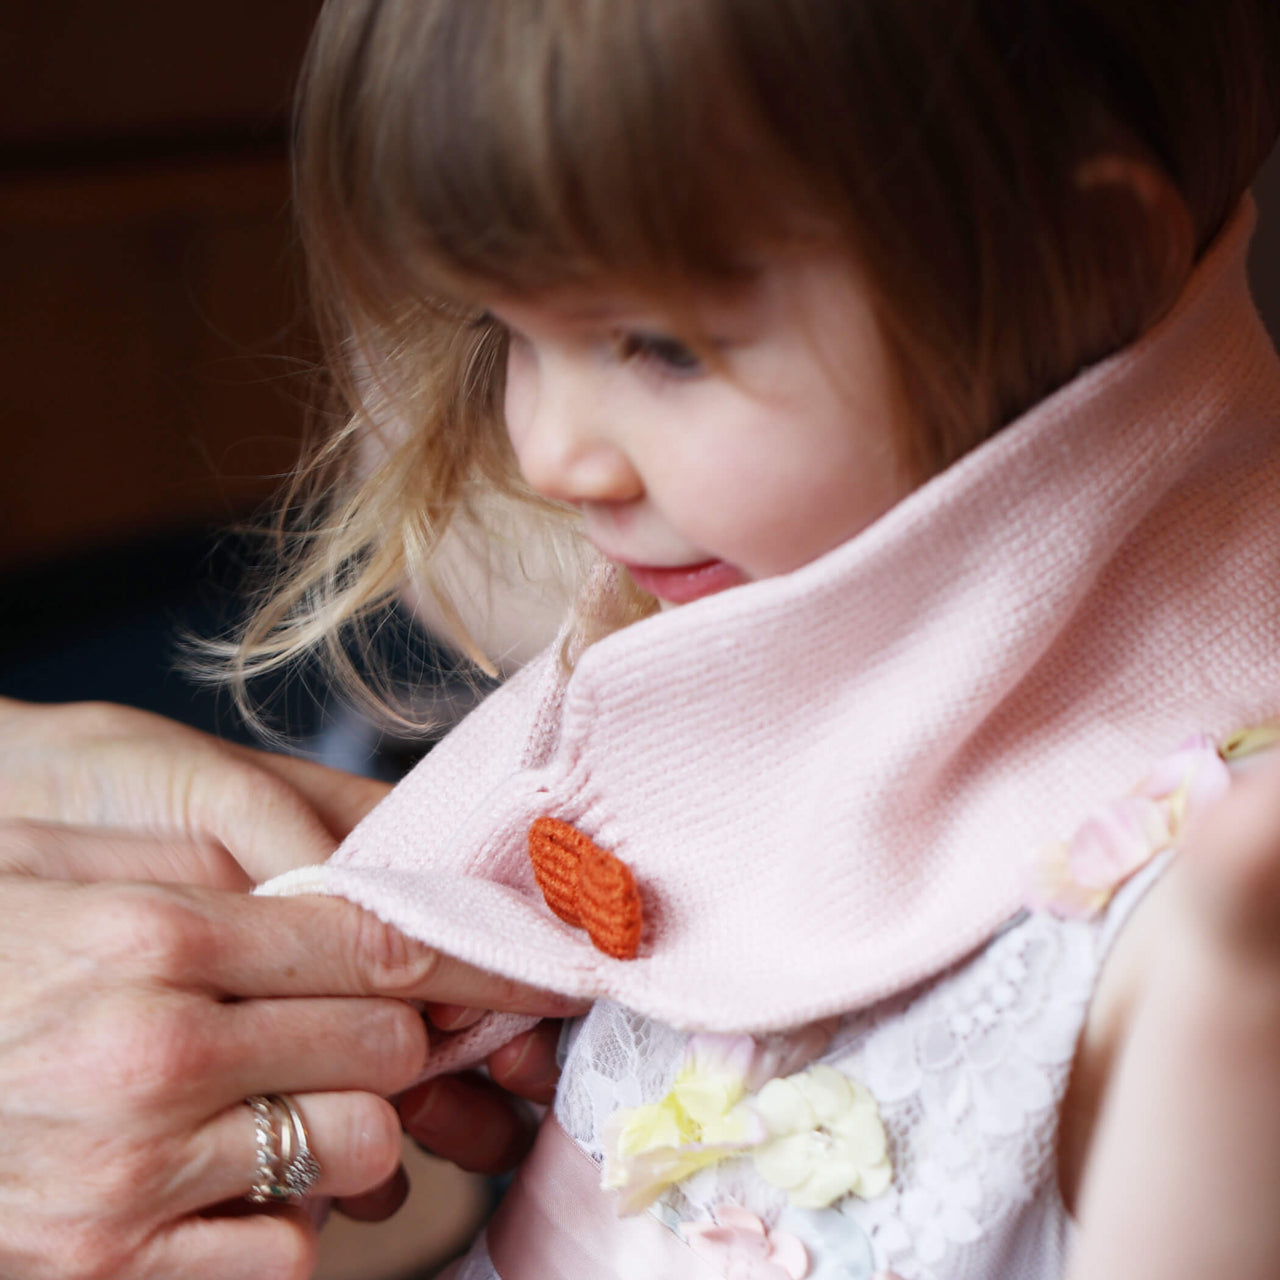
(827, 785)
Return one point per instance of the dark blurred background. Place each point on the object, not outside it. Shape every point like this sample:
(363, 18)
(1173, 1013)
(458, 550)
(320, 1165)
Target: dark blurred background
(153, 348)
(154, 354)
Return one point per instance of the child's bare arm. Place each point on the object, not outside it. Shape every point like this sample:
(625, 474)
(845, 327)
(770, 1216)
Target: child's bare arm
(1183, 1176)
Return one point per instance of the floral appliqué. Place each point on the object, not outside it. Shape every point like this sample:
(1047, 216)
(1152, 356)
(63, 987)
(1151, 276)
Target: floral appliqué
(815, 1134)
(739, 1246)
(802, 1245)
(826, 1139)
(698, 1123)
(1075, 879)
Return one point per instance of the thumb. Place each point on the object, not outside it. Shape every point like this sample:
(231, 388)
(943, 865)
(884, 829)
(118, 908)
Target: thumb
(339, 799)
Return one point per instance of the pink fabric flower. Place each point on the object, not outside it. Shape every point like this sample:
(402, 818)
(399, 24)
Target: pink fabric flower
(1114, 842)
(1076, 879)
(1190, 779)
(739, 1246)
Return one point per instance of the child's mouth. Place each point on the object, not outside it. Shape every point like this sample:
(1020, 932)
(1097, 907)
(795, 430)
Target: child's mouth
(680, 584)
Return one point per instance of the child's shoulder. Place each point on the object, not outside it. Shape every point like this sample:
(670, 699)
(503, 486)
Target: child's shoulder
(1184, 1166)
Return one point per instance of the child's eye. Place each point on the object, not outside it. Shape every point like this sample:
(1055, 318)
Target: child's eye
(668, 354)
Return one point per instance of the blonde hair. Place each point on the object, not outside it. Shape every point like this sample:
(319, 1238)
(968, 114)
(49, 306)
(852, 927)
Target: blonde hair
(1024, 183)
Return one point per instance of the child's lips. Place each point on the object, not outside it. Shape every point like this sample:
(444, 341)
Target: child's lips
(680, 584)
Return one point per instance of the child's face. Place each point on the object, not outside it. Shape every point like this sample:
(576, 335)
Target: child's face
(699, 478)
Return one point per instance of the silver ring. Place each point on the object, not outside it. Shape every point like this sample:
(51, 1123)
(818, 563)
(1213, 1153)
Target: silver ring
(285, 1167)
(268, 1184)
(301, 1168)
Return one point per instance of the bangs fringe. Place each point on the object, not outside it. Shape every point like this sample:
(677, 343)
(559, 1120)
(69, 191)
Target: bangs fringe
(537, 144)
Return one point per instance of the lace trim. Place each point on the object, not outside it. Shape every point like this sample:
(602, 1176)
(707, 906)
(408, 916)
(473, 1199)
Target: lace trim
(969, 1072)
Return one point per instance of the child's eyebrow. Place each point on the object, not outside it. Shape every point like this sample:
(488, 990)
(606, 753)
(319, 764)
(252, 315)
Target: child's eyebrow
(615, 311)
(653, 311)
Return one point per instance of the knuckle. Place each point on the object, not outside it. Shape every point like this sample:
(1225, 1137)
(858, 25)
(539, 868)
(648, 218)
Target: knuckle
(402, 1044)
(152, 929)
(152, 1051)
(98, 719)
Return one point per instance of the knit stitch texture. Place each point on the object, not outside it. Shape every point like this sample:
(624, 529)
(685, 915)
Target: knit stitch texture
(826, 784)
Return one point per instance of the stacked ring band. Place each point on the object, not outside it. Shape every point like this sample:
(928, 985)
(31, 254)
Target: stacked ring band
(266, 1185)
(301, 1168)
(285, 1168)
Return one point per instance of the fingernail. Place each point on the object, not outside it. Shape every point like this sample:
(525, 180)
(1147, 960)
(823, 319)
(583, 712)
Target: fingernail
(547, 1073)
(453, 1017)
(397, 964)
(434, 1116)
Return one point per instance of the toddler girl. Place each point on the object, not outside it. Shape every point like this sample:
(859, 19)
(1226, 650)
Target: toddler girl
(895, 358)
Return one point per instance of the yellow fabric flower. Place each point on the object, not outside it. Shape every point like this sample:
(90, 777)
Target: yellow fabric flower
(700, 1121)
(816, 1134)
(826, 1139)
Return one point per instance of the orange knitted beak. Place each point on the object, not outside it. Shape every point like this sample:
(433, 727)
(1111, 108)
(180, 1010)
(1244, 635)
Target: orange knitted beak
(587, 887)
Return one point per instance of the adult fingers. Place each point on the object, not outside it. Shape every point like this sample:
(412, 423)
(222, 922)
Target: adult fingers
(275, 1245)
(380, 1203)
(327, 946)
(355, 1138)
(108, 766)
(300, 1045)
(468, 1120)
(230, 1244)
(526, 1065)
(266, 823)
(277, 812)
(232, 944)
(61, 852)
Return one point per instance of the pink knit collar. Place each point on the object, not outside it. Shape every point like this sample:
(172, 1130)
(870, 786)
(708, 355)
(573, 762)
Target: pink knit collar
(827, 785)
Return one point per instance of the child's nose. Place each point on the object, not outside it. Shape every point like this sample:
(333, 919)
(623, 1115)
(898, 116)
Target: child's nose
(559, 427)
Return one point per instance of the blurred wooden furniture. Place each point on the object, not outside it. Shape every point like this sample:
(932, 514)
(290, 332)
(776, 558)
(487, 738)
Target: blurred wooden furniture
(151, 333)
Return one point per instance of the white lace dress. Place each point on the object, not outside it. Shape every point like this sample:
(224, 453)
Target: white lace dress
(969, 1073)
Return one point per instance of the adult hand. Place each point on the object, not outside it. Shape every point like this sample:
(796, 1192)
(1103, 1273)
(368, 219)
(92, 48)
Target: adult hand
(94, 791)
(134, 1020)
